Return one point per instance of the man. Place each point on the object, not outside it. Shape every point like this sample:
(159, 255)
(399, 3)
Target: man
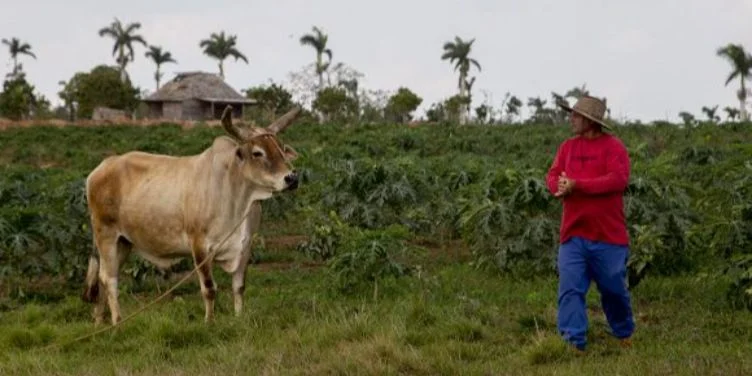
(589, 175)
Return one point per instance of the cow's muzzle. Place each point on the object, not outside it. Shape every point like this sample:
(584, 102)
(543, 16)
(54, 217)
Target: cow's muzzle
(291, 181)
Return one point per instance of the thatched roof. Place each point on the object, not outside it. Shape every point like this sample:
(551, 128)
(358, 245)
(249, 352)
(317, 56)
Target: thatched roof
(203, 86)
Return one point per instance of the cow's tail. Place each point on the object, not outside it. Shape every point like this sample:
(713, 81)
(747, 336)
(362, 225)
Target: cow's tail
(91, 289)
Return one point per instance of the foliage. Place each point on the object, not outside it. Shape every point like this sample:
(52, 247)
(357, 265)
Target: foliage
(687, 203)
(401, 105)
(335, 104)
(358, 258)
(318, 40)
(220, 46)
(100, 87)
(18, 100)
(458, 52)
(449, 110)
(159, 57)
(124, 38)
(273, 101)
(16, 48)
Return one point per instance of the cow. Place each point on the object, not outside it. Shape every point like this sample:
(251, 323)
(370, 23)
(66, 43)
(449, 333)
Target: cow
(165, 208)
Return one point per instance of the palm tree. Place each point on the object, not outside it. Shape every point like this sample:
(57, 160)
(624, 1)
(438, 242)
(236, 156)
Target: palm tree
(318, 41)
(220, 47)
(159, 57)
(577, 92)
(459, 51)
(710, 113)
(741, 62)
(731, 113)
(17, 48)
(124, 38)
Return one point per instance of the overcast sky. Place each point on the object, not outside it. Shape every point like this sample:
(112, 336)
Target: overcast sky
(651, 59)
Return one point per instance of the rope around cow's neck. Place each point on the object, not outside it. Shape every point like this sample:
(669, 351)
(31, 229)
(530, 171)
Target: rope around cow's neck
(143, 308)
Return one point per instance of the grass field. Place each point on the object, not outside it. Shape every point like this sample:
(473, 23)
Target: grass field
(416, 251)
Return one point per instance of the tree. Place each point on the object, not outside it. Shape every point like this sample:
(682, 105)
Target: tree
(741, 65)
(482, 112)
(402, 104)
(731, 113)
(318, 41)
(124, 38)
(100, 87)
(710, 113)
(159, 57)
(513, 106)
(303, 84)
(17, 100)
(334, 104)
(220, 47)
(448, 110)
(577, 92)
(68, 95)
(273, 101)
(458, 52)
(687, 118)
(16, 48)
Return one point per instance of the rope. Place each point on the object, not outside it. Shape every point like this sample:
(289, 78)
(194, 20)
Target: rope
(166, 293)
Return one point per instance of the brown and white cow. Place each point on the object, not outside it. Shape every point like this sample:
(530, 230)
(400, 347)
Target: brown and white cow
(165, 208)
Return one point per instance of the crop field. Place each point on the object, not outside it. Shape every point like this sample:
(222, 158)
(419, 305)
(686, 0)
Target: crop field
(406, 250)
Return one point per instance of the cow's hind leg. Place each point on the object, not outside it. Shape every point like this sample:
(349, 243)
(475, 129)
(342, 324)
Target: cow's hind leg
(208, 289)
(112, 252)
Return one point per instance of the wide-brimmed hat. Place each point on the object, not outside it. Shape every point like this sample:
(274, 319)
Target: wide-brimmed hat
(590, 107)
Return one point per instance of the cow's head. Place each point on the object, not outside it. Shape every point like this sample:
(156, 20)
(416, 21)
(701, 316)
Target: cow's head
(261, 156)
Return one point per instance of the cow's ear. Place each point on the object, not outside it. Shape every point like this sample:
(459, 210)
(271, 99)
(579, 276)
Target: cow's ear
(290, 153)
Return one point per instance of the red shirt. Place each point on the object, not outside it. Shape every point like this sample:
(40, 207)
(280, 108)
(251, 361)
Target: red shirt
(594, 209)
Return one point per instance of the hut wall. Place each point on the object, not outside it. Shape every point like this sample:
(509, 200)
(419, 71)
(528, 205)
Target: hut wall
(219, 108)
(193, 110)
(171, 110)
(154, 110)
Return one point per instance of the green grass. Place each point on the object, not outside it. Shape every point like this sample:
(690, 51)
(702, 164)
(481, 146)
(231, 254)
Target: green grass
(450, 320)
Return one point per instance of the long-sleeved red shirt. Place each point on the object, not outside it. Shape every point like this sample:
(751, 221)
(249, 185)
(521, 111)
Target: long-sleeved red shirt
(594, 209)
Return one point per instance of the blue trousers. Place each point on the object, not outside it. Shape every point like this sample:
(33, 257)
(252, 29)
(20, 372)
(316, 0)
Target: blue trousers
(581, 261)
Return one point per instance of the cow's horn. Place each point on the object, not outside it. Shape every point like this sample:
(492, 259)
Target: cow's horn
(283, 122)
(227, 123)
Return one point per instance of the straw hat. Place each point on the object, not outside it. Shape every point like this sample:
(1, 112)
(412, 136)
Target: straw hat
(589, 107)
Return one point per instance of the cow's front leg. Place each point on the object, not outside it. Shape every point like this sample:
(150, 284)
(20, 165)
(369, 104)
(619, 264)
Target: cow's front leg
(238, 288)
(208, 289)
(238, 277)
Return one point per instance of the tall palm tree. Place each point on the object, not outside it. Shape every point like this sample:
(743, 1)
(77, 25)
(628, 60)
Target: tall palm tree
(220, 47)
(741, 62)
(159, 57)
(17, 48)
(124, 38)
(459, 51)
(318, 41)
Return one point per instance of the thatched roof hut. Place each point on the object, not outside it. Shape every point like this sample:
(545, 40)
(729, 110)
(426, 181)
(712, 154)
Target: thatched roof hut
(195, 96)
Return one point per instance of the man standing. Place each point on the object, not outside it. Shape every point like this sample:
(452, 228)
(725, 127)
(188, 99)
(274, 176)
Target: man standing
(589, 174)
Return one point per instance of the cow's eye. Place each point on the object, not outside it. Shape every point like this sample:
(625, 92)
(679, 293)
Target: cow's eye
(258, 154)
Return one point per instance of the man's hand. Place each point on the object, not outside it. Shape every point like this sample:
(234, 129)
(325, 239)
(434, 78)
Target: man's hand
(565, 185)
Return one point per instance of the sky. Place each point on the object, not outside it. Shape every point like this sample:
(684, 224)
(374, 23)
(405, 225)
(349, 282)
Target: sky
(650, 58)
